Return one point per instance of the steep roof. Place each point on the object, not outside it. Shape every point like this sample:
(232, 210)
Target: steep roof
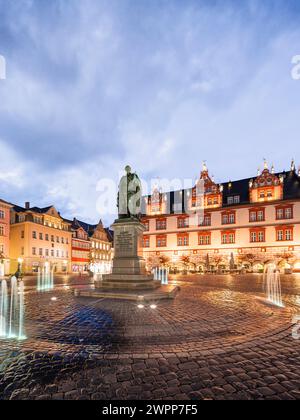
(41, 210)
(6, 203)
(291, 189)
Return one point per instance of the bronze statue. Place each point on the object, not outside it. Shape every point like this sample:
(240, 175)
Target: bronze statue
(130, 195)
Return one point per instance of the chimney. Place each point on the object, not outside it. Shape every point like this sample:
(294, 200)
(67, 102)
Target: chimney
(27, 205)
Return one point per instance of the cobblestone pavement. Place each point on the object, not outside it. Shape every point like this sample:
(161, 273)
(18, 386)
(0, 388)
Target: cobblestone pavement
(217, 340)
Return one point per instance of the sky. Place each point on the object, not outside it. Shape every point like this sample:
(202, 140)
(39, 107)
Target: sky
(161, 85)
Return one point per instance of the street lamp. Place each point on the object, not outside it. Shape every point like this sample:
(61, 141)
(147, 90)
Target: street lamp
(19, 271)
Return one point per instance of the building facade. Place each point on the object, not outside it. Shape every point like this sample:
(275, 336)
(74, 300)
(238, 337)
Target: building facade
(39, 235)
(236, 225)
(81, 248)
(101, 250)
(4, 237)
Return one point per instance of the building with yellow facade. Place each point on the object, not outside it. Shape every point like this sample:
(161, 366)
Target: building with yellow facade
(39, 235)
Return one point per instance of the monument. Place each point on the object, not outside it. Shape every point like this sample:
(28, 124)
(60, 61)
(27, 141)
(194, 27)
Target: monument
(129, 268)
(129, 279)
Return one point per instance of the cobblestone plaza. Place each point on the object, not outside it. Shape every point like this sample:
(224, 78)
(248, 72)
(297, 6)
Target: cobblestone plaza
(217, 340)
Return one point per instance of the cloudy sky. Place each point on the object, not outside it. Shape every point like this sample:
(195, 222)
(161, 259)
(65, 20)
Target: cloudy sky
(161, 84)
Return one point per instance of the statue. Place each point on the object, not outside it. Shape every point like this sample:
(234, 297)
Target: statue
(130, 195)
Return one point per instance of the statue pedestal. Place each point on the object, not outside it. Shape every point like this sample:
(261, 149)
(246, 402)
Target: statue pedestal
(129, 272)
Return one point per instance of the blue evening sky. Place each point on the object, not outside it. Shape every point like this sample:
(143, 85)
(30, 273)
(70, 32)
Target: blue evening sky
(161, 84)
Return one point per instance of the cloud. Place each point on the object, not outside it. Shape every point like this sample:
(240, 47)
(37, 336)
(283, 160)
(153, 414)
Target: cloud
(92, 86)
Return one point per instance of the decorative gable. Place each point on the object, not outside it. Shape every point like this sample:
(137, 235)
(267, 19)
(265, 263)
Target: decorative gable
(267, 186)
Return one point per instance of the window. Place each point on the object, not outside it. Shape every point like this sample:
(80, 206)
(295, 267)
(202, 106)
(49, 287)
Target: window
(204, 238)
(33, 251)
(161, 224)
(285, 233)
(41, 252)
(257, 215)
(280, 235)
(2, 214)
(260, 216)
(1, 230)
(233, 200)
(183, 240)
(161, 241)
(228, 238)
(62, 240)
(22, 251)
(146, 242)
(288, 213)
(57, 239)
(52, 238)
(289, 235)
(257, 235)
(47, 252)
(34, 234)
(47, 237)
(284, 212)
(228, 218)
(57, 253)
(52, 252)
(182, 222)
(41, 236)
(205, 221)
(146, 224)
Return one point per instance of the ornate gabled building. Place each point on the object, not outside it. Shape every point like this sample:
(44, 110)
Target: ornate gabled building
(39, 235)
(250, 221)
(4, 237)
(100, 247)
(81, 248)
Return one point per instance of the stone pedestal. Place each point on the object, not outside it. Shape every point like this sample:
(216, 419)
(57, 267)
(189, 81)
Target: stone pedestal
(129, 272)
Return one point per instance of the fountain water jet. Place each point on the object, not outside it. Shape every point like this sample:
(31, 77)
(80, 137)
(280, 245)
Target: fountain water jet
(12, 310)
(272, 285)
(45, 278)
(3, 308)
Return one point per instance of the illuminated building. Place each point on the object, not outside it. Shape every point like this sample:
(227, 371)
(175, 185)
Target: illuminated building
(4, 237)
(81, 248)
(39, 235)
(243, 224)
(100, 247)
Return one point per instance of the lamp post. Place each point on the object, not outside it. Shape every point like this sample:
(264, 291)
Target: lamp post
(65, 263)
(19, 271)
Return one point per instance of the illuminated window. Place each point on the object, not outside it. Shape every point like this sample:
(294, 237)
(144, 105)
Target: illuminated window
(161, 224)
(182, 222)
(283, 213)
(285, 233)
(183, 240)
(204, 238)
(228, 218)
(205, 221)
(257, 236)
(161, 241)
(257, 215)
(146, 242)
(228, 238)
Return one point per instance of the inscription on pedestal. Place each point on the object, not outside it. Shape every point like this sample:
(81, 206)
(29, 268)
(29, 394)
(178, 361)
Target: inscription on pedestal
(124, 243)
